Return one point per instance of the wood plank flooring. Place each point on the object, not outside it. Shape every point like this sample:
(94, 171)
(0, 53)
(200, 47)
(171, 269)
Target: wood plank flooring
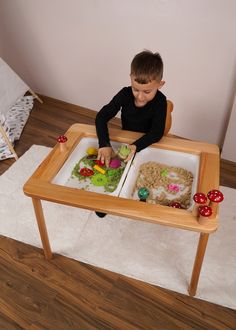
(66, 294)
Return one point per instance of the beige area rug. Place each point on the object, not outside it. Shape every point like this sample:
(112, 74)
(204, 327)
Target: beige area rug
(155, 254)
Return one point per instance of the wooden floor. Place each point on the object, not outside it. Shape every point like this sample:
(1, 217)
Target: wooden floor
(66, 294)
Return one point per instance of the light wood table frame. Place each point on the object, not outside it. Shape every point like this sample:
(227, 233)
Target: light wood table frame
(40, 187)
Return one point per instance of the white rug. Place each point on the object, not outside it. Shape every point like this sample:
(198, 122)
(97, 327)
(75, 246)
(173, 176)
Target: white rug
(155, 254)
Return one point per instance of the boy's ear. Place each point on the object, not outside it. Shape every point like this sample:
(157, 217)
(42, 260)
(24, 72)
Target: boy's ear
(161, 84)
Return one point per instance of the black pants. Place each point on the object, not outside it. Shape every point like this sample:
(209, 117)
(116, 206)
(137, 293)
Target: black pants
(100, 214)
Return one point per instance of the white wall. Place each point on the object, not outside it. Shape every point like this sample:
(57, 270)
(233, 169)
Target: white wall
(229, 149)
(80, 52)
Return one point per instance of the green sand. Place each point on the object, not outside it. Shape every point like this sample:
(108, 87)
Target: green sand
(109, 180)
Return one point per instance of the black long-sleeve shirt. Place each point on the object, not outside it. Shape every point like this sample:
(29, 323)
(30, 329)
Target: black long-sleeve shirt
(149, 119)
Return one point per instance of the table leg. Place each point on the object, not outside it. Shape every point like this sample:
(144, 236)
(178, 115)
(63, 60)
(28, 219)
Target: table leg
(42, 227)
(202, 244)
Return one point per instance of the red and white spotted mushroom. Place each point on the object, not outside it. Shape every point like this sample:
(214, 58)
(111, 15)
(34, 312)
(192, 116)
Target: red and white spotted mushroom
(62, 139)
(205, 212)
(199, 199)
(176, 205)
(215, 196)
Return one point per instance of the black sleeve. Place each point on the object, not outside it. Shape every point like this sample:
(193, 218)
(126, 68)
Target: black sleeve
(157, 128)
(108, 112)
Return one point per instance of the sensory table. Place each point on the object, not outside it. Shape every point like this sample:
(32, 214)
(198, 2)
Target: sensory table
(41, 186)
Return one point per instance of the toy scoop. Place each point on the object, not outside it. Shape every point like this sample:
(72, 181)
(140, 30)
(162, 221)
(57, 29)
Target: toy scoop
(123, 151)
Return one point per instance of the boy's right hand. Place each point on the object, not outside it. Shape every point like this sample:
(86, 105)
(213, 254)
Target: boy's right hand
(105, 154)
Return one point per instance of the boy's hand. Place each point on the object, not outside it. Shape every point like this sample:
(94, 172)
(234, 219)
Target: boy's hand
(105, 154)
(133, 150)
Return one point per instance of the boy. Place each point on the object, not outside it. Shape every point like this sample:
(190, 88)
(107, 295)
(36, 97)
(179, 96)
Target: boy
(142, 106)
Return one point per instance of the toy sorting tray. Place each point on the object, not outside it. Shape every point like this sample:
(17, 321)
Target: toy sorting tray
(66, 178)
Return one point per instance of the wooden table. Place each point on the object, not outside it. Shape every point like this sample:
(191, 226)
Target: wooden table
(40, 187)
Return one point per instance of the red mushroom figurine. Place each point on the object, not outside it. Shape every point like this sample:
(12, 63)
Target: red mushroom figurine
(215, 196)
(176, 205)
(199, 199)
(205, 212)
(62, 141)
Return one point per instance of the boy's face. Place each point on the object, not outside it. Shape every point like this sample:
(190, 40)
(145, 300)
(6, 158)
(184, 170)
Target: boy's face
(143, 93)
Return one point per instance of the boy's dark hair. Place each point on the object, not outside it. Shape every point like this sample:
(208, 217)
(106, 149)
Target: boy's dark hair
(147, 66)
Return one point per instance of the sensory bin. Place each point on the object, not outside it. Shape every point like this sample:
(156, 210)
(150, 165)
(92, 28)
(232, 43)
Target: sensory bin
(92, 175)
(89, 173)
(165, 185)
(83, 171)
(164, 177)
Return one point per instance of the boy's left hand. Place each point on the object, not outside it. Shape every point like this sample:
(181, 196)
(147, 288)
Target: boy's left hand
(133, 151)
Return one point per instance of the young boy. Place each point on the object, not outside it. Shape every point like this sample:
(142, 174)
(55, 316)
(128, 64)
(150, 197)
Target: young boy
(142, 106)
